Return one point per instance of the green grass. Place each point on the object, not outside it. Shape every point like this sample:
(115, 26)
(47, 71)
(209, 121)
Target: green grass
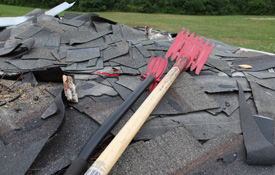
(242, 31)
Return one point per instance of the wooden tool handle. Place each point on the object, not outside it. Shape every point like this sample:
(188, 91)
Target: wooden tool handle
(114, 150)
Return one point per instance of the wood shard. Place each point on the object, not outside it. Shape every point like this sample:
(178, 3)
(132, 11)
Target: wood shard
(69, 89)
(239, 51)
(245, 66)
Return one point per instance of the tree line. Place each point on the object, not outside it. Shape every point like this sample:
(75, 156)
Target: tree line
(186, 7)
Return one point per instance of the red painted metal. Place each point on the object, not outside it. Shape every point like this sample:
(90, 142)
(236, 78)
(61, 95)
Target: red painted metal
(186, 45)
(181, 63)
(107, 74)
(155, 67)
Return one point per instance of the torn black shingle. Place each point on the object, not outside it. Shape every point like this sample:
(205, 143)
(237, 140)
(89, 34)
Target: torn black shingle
(263, 99)
(26, 64)
(113, 52)
(250, 54)
(81, 105)
(259, 150)
(71, 138)
(258, 63)
(92, 88)
(123, 91)
(92, 62)
(262, 75)
(113, 38)
(23, 160)
(212, 84)
(107, 64)
(267, 83)
(2, 44)
(104, 81)
(72, 22)
(101, 26)
(13, 45)
(40, 42)
(79, 55)
(147, 42)
(265, 125)
(108, 105)
(7, 67)
(130, 82)
(110, 70)
(143, 51)
(29, 78)
(129, 33)
(38, 53)
(85, 17)
(202, 125)
(99, 42)
(50, 111)
(53, 42)
(153, 155)
(130, 71)
(108, 39)
(113, 64)
(96, 18)
(32, 30)
(228, 102)
(44, 32)
(142, 70)
(99, 64)
(221, 65)
(158, 48)
(82, 66)
(231, 55)
(215, 52)
(117, 31)
(50, 23)
(163, 43)
(84, 77)
(156, 127)
(23, 145)
(5, 34)
(70, 15)
(182, 97)
(222, 46)
(70, 67)
(31, 64)
(84, 37)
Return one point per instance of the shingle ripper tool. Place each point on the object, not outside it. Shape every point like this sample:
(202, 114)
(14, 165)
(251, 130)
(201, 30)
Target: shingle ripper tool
(190, 52)
(155, 69)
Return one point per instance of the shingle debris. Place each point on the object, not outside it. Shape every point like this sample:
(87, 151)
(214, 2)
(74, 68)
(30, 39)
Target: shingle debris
(106, 60)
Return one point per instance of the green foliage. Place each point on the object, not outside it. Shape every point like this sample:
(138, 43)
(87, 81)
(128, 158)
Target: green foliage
(192, 7)
(123, 6)
(257, 7)
(145, 6)
(168, 6)
(196, 7)
(95, 5)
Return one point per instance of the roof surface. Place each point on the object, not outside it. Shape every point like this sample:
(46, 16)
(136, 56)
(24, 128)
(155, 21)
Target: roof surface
(197, 127)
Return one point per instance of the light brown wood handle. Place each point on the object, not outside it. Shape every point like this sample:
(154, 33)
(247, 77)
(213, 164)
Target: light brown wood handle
(114, 150)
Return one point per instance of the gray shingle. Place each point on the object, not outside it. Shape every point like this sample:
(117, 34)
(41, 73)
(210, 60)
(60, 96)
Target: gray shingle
(79, 55)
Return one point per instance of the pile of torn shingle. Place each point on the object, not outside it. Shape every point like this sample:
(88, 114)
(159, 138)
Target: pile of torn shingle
(106, 61)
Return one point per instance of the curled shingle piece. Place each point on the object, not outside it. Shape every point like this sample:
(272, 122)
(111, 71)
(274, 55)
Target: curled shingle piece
(259, 150)
(15, 44)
